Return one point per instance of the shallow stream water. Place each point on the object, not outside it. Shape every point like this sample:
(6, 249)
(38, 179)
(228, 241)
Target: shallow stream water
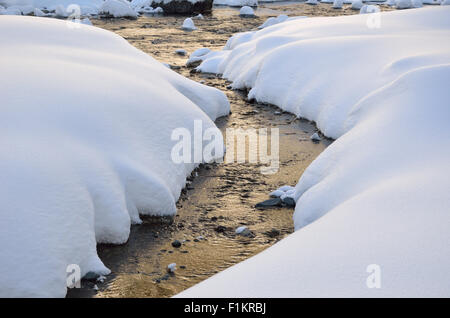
(220, 197)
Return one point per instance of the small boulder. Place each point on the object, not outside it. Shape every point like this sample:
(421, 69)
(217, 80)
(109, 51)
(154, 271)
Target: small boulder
(275, 202)
(176, 244)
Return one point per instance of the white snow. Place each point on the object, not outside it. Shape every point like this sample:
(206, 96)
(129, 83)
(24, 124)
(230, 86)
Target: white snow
(445, 3)
(311, 2)
(38, 12)
(404, 4)
(356, 4)
(87, 6)
(337, 4)
(118, 9)
(272, 21)
(369, 8)
(85, 138)
(172, 267)
(377, 198)
(188, 25)
(237, 3)
(282, 192)
(64, 8)
(246, 11)
(315, 137)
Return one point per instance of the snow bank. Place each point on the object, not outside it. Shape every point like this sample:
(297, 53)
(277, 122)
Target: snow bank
(237, 3)
(64, 8)
(376, 199)
(87, 7)
(85, 134)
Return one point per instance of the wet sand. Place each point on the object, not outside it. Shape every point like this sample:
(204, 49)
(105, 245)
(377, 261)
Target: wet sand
(220, 197)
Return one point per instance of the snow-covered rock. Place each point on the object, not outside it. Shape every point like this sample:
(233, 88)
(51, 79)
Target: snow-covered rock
(117, 9)
(404, 4)
(83, 155)
(246, 11)
(241, 229)
(370, 203)
(337, 4)
(369, 8)
(315, 137)
(38, 13)
(311, 2)
(188, 25)
(172, 267)
(237, 3)
(357, 4)
(445, 3)
(86, 21)
(87, 7)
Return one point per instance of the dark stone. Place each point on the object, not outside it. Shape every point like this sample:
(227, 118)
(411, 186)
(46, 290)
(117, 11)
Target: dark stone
(220, 229)
(184, 7)
(176, 243)
(273, 233)
(91, 276)
(288, 201)
(275, 202)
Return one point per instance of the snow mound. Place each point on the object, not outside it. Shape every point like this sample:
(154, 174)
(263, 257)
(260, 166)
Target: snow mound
(272, 21)
(246, 11)
(377, 198)
(83, 155)
(188, 25)
(369, 8)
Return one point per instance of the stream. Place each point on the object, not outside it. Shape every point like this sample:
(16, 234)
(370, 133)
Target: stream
(219, 197)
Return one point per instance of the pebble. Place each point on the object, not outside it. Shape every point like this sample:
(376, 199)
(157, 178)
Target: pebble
(220, 229)
(275, 202)
(176, 243)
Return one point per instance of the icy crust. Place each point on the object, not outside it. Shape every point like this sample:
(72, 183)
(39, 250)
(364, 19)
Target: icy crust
(377, 198)
(85, 134)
